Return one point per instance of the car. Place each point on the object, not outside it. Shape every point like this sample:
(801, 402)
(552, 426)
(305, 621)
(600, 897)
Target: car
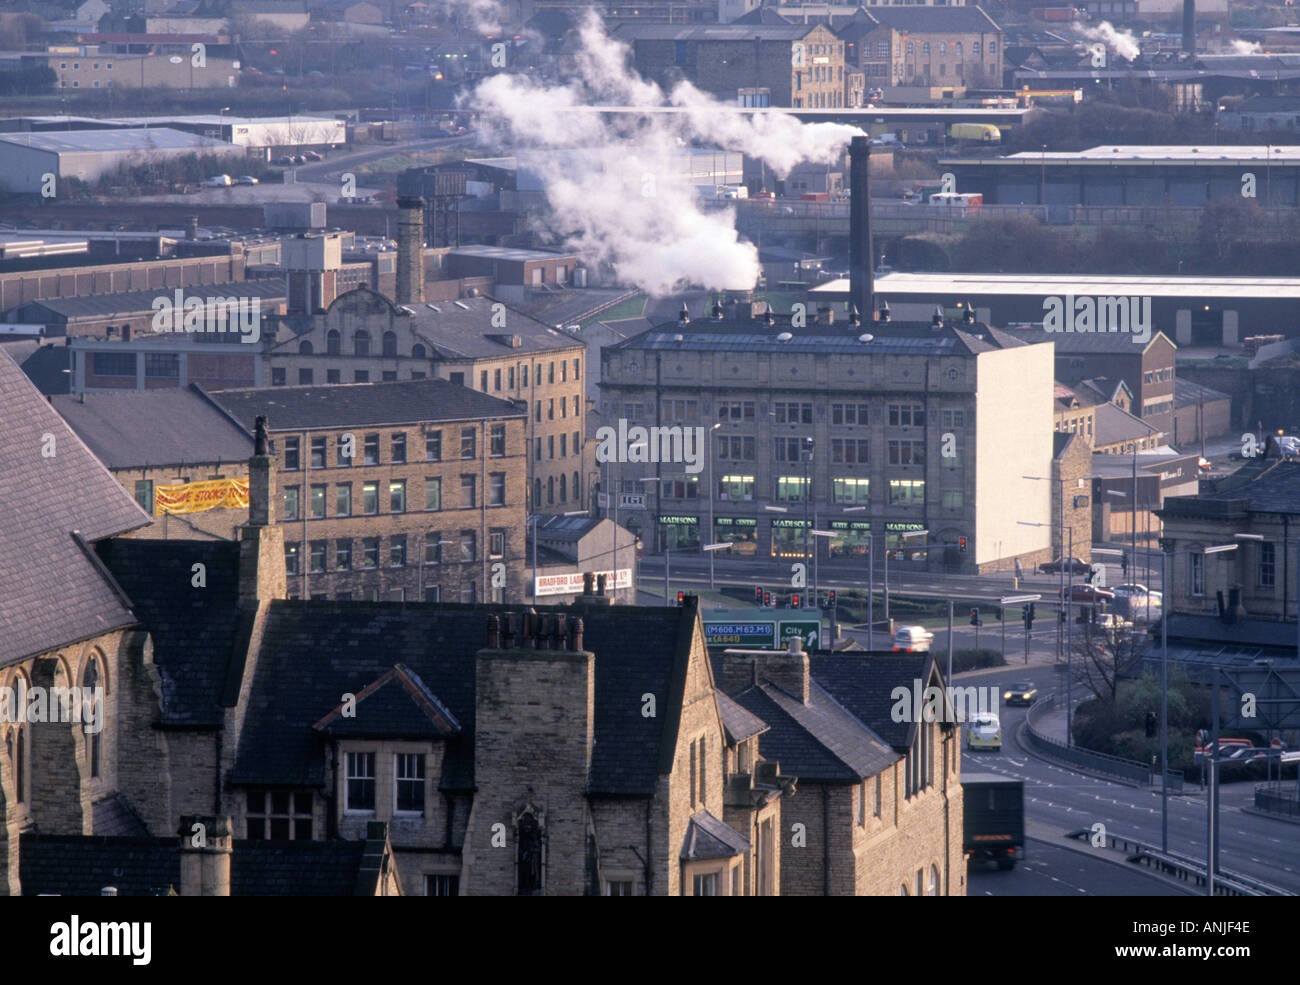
(1075, 565)
(313, 155)
(219, 181)
(1138, 593)
(984, 731)
(245, 179)
(1086, 594)
(1020, 693)
(912, 639)
(284, 160)
(1112, 622)
(299, 159)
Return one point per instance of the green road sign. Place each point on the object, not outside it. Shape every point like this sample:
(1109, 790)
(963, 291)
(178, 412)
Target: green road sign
(809, 630)
(748, 635)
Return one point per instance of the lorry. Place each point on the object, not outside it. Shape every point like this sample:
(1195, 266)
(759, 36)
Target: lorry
(993, 814)
(985, 133)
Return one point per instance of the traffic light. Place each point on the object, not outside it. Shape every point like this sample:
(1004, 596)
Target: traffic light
(1029, 616)
(999, 613)
(794, 601)
(1151, 724)
(681, 597)
(1123, 564)
(758, 596)
(974, 617)
(767, 600)
(961, 544)
(830, 599)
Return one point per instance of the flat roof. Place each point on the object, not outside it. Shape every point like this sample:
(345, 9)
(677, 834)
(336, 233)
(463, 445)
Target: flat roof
(957, 286)
(938, 112)
(506, 253)
(131, 140)
(1109, 154)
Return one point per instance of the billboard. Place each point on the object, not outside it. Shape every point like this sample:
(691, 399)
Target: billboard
(570, 583)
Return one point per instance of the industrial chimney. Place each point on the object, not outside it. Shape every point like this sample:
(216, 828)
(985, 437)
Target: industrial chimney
(860, 252)
(1189, 26)
(410, 250)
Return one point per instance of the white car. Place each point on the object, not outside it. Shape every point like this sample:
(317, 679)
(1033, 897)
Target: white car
(245, 179)
(912, 639)
(220, 181)
(984, 731)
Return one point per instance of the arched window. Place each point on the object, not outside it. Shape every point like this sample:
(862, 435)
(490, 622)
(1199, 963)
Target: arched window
(390, 343)
(332, 343)
(361, 343)
(89, 684)
(550, 490)
(537, 493)
(564, 487)
(933, 888)
(902, 890)
(305, 348)
(20, 763)
(417, 351)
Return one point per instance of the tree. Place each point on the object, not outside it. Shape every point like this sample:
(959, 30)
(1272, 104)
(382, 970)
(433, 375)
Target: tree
(1099, 655)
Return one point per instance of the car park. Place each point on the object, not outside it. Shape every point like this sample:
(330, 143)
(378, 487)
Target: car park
(984, 731)
(912, 639)
(1020, 693)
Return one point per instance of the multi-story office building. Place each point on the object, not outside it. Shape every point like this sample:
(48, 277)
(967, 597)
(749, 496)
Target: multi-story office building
(406, 491)
(910, 427)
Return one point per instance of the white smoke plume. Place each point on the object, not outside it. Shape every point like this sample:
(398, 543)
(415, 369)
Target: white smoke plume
(1239, 47)
(1123, 43)
(621, 195)
(484, 16)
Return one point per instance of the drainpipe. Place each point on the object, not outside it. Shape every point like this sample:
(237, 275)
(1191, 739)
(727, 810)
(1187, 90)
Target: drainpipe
(826, 840)
(649, 865)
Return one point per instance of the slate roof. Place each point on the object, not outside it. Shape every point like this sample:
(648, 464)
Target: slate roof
(396, 706)
(137, 428)
(76, 865)
(738, 722)
(45, 368)
(52, 592)
(290, 408)
(113, 817)
(136, 302)
(1113, 424)
(315, 651)
(936, 20)
(1276, 489)
(197, 632)
(864, 684)
(707, 837)
(819, 741)
(1189, 394)
(1117, 343)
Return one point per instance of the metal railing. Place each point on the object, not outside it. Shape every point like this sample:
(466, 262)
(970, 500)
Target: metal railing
(1182, 867)
(1277, 798)
(1090, 759)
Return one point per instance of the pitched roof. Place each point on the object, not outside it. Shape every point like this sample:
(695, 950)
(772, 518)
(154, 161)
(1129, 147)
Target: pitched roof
(135, 428)
(197, 632)
(817, 741)
(1114, 424)
(135, 302)
(396, 706)
(936, 20)
(53, 591)
(1118, 343)
(76, 865)
(315, 651)
(291, 408)
(1274, 489)
(760, 15)
(707, 837)
(1189, 394)
(864, 684)
(737, 721)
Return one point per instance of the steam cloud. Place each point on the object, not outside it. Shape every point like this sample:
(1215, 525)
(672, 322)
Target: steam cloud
(1122, 42)
(1240, 47)
(621, 194)
(484, 16)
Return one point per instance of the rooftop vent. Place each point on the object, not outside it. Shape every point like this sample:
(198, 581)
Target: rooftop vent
(679, 338)
(785, 337)
(853, 315)
(684, 316)
(937, 320)
(866, 337)
(717, 311)
(882, 313)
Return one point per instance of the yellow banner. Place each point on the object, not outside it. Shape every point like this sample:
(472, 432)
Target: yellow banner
(195, 497)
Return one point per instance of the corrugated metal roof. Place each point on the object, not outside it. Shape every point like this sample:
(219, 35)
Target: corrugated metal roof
(117, 141)
(958, 286)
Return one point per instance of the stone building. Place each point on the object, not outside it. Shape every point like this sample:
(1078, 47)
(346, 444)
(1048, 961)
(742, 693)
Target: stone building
(401, 491)
(153, 440)
(925, 45)
(790, 64)
(479, 343)
(913, 427)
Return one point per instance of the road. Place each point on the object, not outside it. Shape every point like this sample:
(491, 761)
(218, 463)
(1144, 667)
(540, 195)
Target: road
(1063, 800)
(1055, 870)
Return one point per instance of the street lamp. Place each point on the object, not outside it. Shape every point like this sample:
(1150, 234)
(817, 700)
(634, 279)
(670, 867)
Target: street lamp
(712, 532)
(1164, 684)
(871, 575)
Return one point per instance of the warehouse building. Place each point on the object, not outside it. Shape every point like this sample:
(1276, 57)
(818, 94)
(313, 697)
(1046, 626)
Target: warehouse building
(26, 159)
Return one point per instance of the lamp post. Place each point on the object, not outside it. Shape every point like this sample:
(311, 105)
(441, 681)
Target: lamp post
(1165, 555)
(1067, 598)
(903, 535)
(871, 576)
(807, 453)
(712, 532)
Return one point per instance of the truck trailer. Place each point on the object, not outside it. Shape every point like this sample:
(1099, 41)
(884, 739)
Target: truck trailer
(994, 818)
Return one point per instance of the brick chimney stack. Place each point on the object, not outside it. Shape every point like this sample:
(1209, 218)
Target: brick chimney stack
(205, 855)
(410, 250)
(261, 542)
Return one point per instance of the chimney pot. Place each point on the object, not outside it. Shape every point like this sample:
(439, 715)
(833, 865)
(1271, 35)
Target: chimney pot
(507, 631)
(493, 632)
(588, 583)
(577, 630)
(601, 582)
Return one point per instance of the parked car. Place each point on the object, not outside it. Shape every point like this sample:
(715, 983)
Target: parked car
(1020, 693)
(984, 731)
(912, 639)
(245, 179)
(1138, 593)
(1086, 594)
(1075, 565)
(312, 155)
(220, 181)
(284, 160)
(299, 159)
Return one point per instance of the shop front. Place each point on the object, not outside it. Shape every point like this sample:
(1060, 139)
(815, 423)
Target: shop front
(738, 531)
(788, 538)
(851, 538)
(679, 533)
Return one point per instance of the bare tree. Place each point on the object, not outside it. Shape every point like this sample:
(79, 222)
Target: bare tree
(1098, 655)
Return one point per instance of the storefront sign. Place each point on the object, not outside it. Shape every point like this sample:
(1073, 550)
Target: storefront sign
(570, 583)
